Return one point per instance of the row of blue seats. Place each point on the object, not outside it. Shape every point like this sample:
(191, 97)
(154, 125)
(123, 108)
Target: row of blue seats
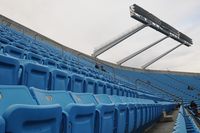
(25, 47)
(30, 74)
(52, 62)
(25, 42)
(43, 111)
(34, 50)
(184, 123)
(33, 44)
(12, 35)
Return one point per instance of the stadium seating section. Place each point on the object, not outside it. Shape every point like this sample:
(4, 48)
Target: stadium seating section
(184, 123)
(44, 89)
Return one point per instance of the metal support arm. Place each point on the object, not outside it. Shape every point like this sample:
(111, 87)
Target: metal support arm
(140, 51)
(117, 40)
(159, 57)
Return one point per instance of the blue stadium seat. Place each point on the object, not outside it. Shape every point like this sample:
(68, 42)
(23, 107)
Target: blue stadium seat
(13, 51)
(76, 83)
(9, 68)
(146, 110)
(84, 72)
(125, 92)
(75, 70)
(108, 89)
(50, 63)
(115, 90)
(18, 45)
(4, 41)
(35, 75)
(59, 80)
(34, 51)
(34, 57)
(77, 118)
(131, 114)
(100, 87)
(180, 125)
(64, 67)
(24, 43)
(140, 112)
(104, 120)
(22, 114)
(121, 91)
(120, 112)
(90, 85)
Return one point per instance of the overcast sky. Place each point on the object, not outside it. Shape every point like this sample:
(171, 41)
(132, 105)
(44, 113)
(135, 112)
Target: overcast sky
(87, 24)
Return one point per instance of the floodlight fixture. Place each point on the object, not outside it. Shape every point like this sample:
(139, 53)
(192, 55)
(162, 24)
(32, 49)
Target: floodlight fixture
(154, 22)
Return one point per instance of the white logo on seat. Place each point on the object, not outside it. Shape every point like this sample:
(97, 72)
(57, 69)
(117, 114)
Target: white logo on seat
(49, 98)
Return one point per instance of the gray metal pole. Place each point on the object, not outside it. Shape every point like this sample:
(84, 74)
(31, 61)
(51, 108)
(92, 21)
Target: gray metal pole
(159, 57)
(117, 40)
(140, 51)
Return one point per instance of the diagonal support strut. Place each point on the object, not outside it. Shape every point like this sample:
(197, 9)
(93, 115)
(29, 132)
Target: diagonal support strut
(159, 57)
(140, 51)
(117, 40)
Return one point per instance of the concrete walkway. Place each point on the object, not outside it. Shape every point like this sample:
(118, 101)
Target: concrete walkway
(164, 127)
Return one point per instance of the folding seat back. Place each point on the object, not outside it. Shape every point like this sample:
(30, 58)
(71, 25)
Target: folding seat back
(22, 114)
(132, 116)
(121, 113)
(59, 80)
(146, 110)
(77, 83)
(103, 98)
(50, 63)
(44, 97)
(35, 51)
(75, 70)
(121, 91)
(84, 98)
(4, 41)
(24, 43)
(18, 45)
(90, 85)
(115, 90)
(129, 93)
(100, 87)
(9, 37)
(14, 94)
(104, 120)
(35, 58)
(64, 67)
(13, 51)
(126, 92)
(115, 99)
(35, 75)
(9, 68)
(141, 108)
(76, 117)
(109, 89)
(84, 72)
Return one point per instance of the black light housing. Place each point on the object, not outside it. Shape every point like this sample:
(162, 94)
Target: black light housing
(152, 21)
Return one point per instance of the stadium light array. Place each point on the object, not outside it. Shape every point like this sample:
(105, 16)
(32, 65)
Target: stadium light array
(152, 21)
